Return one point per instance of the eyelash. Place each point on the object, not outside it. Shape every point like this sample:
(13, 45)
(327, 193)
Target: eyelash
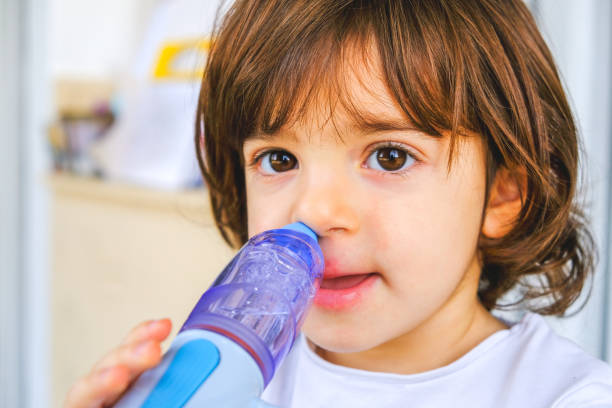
(394, 145)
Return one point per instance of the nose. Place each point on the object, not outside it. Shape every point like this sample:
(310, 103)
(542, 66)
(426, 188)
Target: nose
(327, 205)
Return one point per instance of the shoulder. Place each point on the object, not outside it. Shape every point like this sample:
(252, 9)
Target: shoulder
(573, 377)
(589, 393)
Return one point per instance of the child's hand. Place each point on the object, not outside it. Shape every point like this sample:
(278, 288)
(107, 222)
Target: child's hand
(112, 375)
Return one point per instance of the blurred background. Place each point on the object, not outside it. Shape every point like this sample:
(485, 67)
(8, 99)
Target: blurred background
(104, 221)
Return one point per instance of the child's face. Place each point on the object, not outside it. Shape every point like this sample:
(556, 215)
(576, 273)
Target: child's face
(376, 209)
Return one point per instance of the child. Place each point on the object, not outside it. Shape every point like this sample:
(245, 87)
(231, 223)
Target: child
(430, 146)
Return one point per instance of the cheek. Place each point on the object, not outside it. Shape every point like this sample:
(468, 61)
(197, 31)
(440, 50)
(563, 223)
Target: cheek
(430, 238)
(256, 221)
(259, 216)
(265, 211)
(408, 220)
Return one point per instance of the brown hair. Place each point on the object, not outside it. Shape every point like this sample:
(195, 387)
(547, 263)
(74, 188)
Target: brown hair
(479, 66)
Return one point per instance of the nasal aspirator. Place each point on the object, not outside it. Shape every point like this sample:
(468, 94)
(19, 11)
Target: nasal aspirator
(241, 329)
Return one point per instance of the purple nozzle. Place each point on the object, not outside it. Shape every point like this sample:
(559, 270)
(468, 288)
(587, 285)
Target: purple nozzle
(260, 299)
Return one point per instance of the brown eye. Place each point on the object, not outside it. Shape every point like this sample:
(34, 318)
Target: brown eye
(390, 159)
(278, 161)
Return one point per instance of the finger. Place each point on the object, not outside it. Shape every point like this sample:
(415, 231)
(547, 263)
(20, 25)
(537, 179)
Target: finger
(156, 330)
(151, 329)
(99, 388)
(137, 357)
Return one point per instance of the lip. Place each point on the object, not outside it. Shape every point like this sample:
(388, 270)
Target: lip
(340, 299)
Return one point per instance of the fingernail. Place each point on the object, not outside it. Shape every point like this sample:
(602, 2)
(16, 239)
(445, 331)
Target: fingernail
(154, 322)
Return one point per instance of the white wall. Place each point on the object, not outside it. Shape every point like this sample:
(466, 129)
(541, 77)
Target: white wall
(579, 33)
(94, 39)
(37, 113)
(12, 375)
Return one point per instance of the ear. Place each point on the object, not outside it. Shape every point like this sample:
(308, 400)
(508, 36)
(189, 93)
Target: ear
(505, 202)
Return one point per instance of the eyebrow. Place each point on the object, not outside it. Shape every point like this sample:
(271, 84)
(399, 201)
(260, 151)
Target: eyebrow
(383, 125)
(363, 126)
(271, 136)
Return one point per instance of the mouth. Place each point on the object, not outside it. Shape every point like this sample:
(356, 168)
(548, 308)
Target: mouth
(344, 292)
(344, 282)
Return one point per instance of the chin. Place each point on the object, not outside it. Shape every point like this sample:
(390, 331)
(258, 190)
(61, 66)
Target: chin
(339, 339)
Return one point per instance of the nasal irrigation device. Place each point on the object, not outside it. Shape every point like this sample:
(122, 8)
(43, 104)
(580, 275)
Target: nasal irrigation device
(241, 329)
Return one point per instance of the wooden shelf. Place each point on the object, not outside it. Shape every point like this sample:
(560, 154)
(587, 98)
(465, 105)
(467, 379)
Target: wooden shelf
(129, 195)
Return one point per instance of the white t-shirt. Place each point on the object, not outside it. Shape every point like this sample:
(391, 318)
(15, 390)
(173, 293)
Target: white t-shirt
(525, 366)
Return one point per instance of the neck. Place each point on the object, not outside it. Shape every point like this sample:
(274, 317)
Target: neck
(455, 329)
